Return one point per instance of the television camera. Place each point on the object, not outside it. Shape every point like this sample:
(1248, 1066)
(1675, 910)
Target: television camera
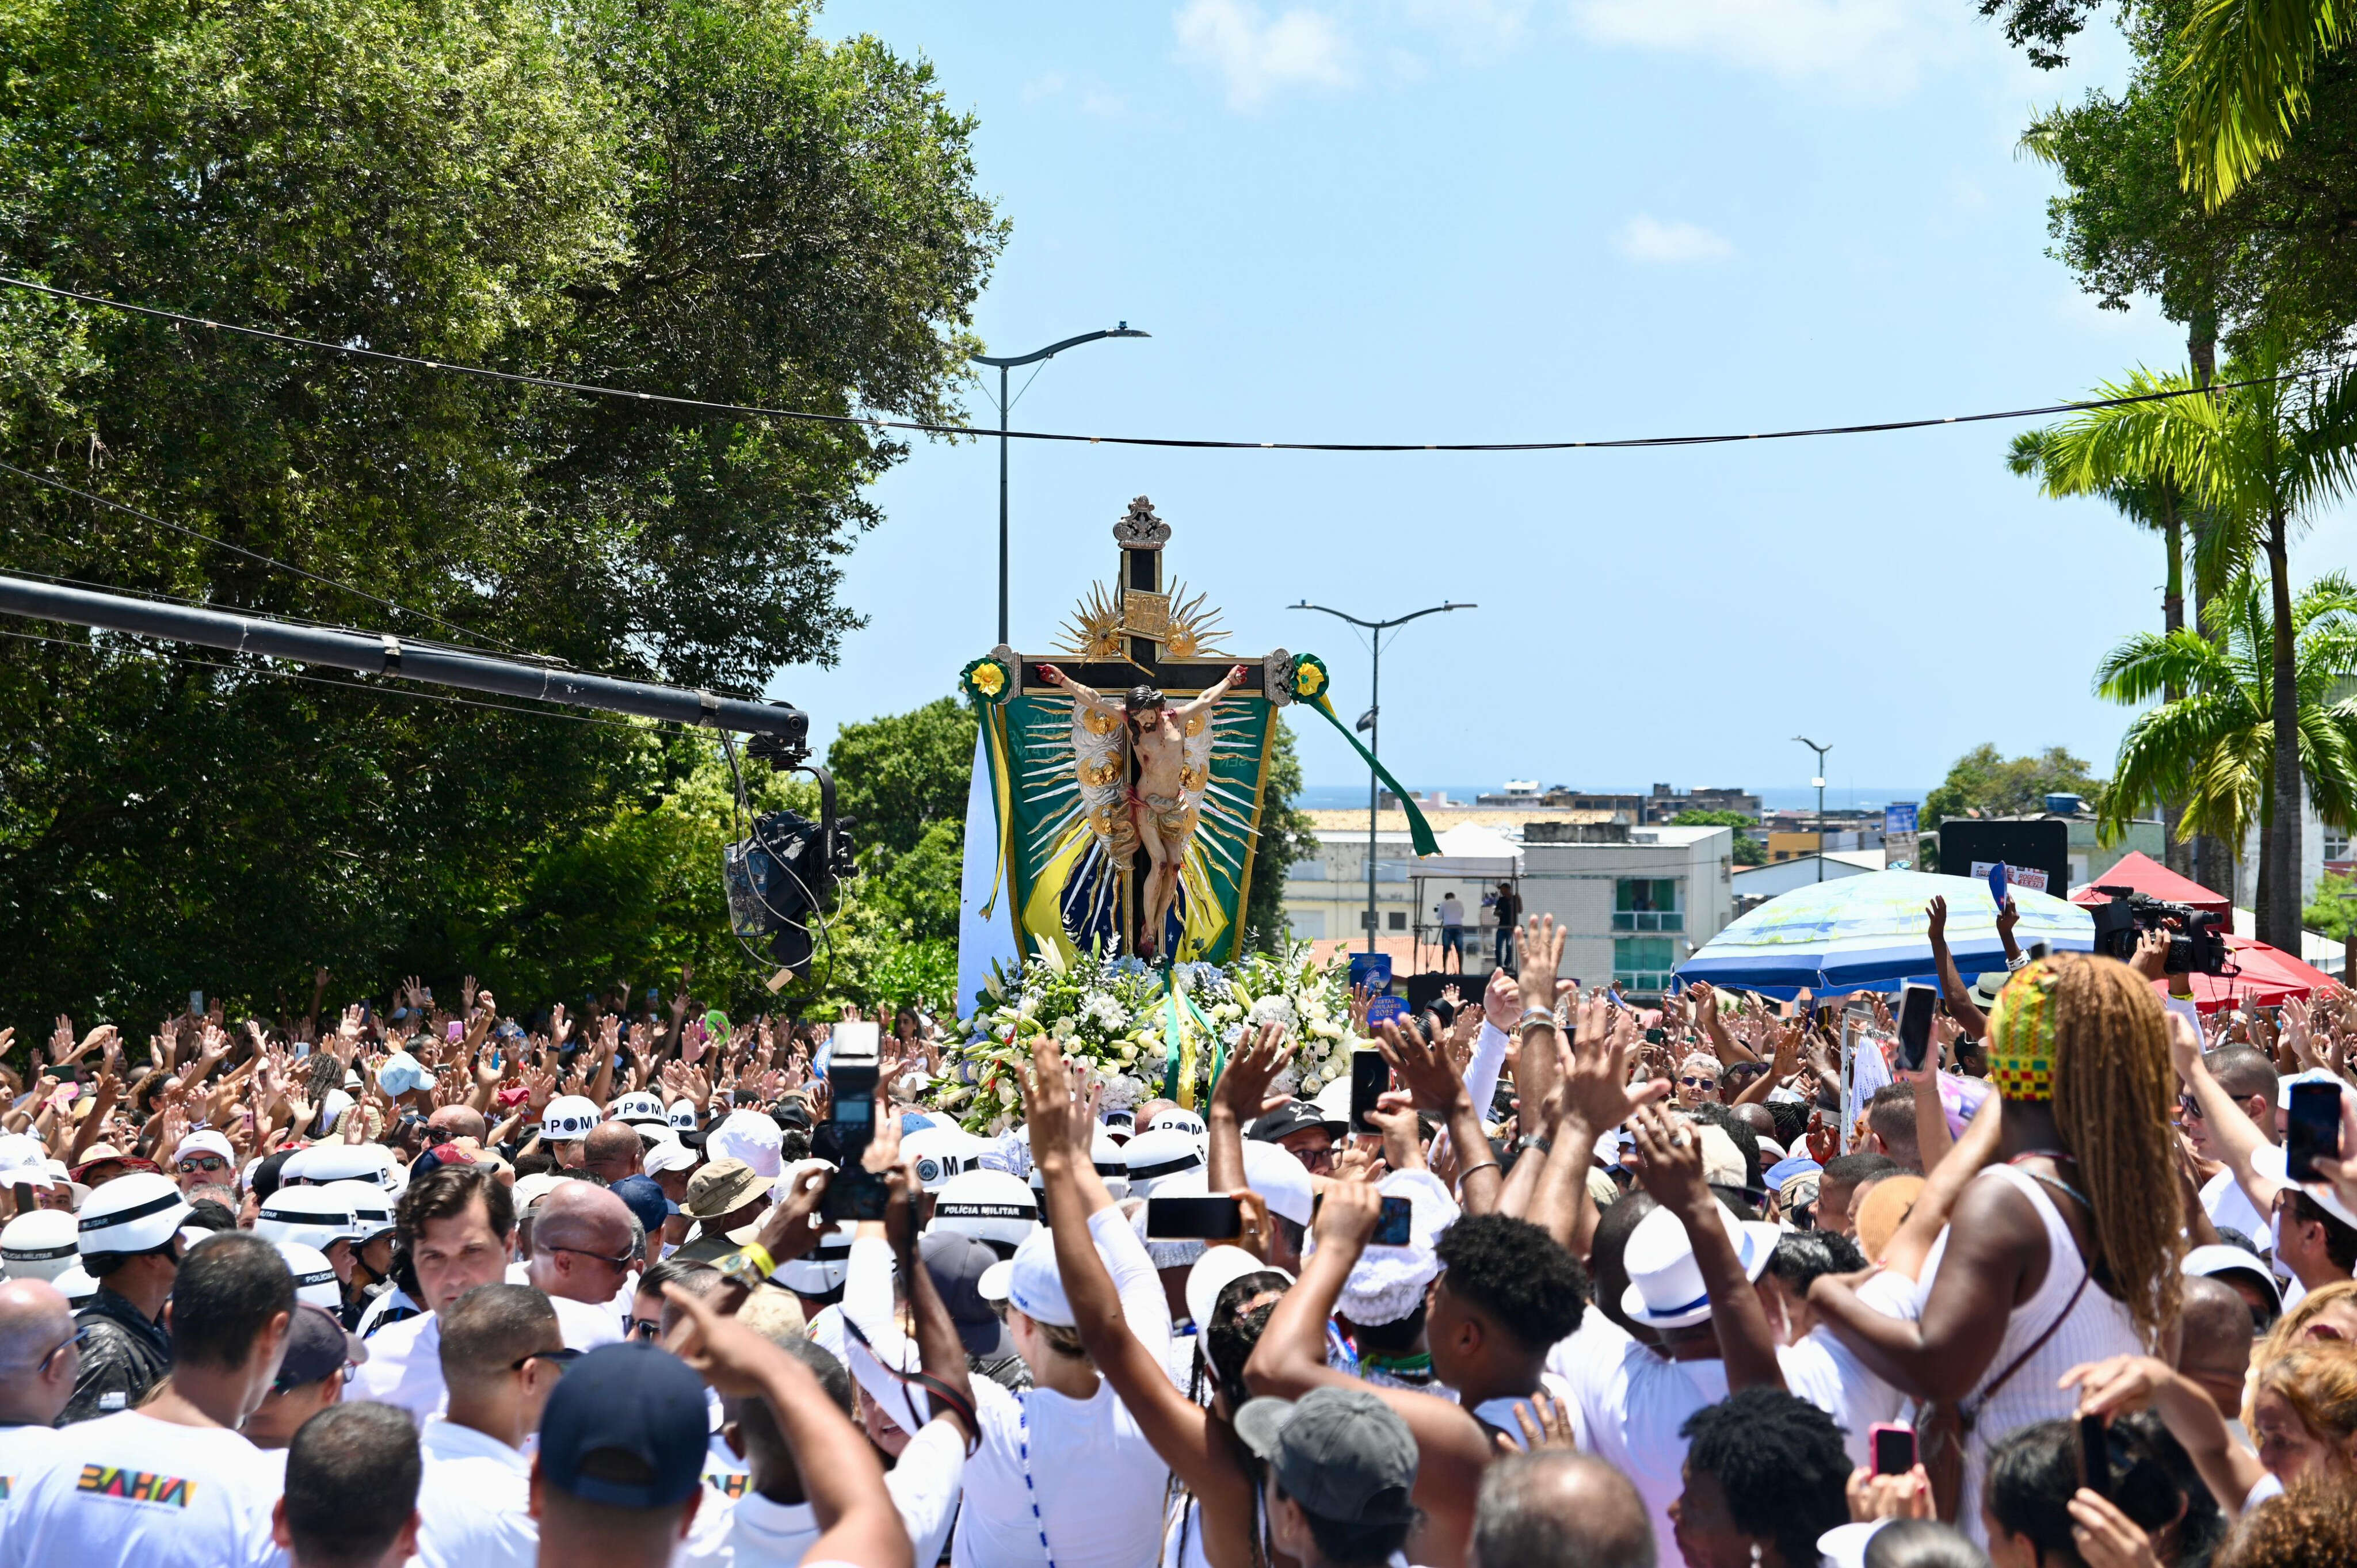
(2195, 943)
(780, 875)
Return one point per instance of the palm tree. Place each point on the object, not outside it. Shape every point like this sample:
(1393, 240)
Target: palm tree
(2214, 746)
(2081, 456)
(2247, 65)
(2259, 451)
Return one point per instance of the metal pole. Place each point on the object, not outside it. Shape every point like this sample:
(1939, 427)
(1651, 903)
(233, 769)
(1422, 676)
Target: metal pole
(381, 653)
(1004, 363)
(1003, 640)
(1375, 629)
(1821, 818)
(1375, 747)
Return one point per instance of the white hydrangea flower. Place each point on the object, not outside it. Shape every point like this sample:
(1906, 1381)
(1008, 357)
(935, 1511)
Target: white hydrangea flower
(1273, 1010)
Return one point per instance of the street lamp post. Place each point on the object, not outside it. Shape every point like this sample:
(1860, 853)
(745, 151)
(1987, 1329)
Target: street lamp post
(1820, 782)
(1004, 364)
(1373, 723)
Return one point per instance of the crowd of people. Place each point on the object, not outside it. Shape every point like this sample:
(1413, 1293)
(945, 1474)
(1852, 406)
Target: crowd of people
(1591, 1284)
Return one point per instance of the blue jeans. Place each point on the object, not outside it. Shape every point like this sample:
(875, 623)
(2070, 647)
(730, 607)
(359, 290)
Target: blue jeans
(1506, 947)
(1452, 937)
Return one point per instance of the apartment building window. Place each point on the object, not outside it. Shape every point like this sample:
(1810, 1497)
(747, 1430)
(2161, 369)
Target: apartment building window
(1643, 963)
(1398, 920)
(1647, 904)
(2336, 843)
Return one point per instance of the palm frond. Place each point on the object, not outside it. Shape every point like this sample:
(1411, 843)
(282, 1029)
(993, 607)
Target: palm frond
(2245, 72)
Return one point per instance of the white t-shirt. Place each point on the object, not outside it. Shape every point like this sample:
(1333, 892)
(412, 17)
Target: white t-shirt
(584, 1325)
(404, 1368)
(1098, 1482)
(1632, 1405)
(474, 1501)
(24, 1451)
(924, 1486)
(1452, 913)
(131, 1490)
(1828, 1374)
(2226, 1204)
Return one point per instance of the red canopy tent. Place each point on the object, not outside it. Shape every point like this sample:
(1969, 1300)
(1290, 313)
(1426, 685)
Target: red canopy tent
(2147, 876)
(2269, 975)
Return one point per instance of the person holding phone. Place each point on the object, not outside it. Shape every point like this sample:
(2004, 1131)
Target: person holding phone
(2059, 1255)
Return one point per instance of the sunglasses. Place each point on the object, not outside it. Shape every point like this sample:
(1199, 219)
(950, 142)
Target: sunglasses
(645, 1328)
(621, 1265)
(78, 1337)
(2190, 1106)
(561, 1358)
(1699, 1082)
(206, 1163)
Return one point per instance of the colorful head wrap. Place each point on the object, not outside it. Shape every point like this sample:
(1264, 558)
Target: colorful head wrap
(2022, 1034)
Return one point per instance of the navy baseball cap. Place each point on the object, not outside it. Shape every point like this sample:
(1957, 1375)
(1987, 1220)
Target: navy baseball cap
(643, 1196)
(627, 1427)
(957, 1262)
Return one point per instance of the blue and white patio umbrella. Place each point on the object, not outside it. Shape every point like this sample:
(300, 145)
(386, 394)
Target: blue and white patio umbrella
(1869, 933)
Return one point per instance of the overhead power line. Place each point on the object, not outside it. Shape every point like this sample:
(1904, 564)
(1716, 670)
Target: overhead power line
(867, 422)
(272, 561)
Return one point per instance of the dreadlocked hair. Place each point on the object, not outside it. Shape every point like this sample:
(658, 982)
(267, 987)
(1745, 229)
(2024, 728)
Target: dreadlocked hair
(2113, 1089)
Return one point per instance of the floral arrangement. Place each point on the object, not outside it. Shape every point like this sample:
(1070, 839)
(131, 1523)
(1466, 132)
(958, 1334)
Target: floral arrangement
(1112, 1013)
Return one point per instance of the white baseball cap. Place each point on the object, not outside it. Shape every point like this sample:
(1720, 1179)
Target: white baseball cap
(823, 1268)
(1035, 1288)
(1214, 1272)
(752, 1137)
(668, 1155)
(207, 1140)
(134, 1213)
(682, 1115)
(1277, 1174)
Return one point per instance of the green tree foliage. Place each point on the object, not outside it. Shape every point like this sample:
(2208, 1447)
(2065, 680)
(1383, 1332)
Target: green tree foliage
(2263, 251)
(1287, 834)
(701, 196)
(1748, 850)
(2334, 911)
(905, 777)
(2214, 746)
(1983, 783)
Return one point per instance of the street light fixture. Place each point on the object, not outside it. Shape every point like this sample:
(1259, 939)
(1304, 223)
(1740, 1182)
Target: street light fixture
(1820, 782)
(1371, 723)
(1004, 364)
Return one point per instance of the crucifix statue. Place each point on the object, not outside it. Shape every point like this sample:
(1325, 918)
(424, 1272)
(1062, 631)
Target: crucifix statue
(1138, 800)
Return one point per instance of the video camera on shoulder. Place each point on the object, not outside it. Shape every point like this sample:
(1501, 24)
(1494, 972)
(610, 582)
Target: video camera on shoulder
(2195, 943)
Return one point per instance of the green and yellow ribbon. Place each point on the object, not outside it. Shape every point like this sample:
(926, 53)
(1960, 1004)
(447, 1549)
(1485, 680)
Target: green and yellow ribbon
(1310, 682)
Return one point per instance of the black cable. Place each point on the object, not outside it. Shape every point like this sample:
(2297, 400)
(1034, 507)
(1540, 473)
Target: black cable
(338, 685)
(924, 427)
(256, 555)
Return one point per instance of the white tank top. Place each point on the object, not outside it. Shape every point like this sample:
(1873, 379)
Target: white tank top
(2096, 1327)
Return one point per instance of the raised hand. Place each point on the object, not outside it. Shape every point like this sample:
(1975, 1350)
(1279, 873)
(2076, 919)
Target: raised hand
(560, 1027)
(1672, 1171)
(1244, 1086)
(1424, 1069)
(1542, 955)
(1546, 1421)
(1596, 1087)
(1501, 1002)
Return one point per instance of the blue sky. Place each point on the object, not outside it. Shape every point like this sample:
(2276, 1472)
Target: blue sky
(1485, 220)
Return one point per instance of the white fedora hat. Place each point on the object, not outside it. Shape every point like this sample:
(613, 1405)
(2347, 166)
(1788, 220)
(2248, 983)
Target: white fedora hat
(1665, 1288)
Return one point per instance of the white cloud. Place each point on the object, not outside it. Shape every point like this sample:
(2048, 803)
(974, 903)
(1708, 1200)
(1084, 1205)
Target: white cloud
(1645, 237)
(1877, 47)
(1257, 57)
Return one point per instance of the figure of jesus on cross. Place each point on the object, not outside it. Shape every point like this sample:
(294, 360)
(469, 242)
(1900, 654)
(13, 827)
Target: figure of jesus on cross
(1156, 735)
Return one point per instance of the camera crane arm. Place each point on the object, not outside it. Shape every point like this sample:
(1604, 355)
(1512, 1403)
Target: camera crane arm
(785, 728)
